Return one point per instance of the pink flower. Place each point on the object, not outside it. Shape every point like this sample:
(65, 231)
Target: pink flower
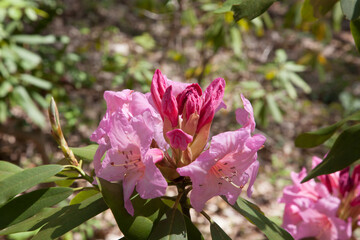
(312, 211)
(179, 139)
(245, 116)
(226, 166)
(221, 170)
(130, 158)
(331, 181)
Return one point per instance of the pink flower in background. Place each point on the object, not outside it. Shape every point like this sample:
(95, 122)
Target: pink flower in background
(224, 168)
(130, 158)
(312, 208)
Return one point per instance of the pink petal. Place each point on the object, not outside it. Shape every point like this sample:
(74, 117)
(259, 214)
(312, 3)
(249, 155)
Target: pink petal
(128, 188)
(158, 86)
(152, 184)
(252, 171)
(179, 139)
(245, 116)
(169, 107)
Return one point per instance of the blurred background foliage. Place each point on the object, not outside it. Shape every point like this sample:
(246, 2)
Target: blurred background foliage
(299, 68)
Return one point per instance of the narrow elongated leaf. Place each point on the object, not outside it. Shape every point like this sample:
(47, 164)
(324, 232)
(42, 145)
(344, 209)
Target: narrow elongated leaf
(146, 212)
(29, 60)
(274, 108)
(343, 153)
(355, 31)
(217, 232)
(70, 217)
(22, 97)
(313, 139)
(27, 205)
(351, 9)
(86, 153)
(32, 223)
(7, 169)
(83, 195)
(256, 217)
(34, 39)
(170, 227)
(19, 182)
(37, 82)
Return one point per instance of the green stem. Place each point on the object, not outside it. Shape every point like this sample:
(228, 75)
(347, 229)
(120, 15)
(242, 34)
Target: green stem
(207, 216)
(183, 200)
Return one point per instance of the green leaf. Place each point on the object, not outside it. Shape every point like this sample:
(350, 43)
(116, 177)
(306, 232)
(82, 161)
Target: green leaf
(83, 195)
(37, 82)
(15, 13)
(313, 139)
(274, 108)
(21, 181)
(343, 153)
(298, 81)
(70, 217)
(170, 227)
(355, 31)
(86, 153)
(192, 231)
(21, 97)
(250, 9)
(34, 39)
(5, 88)
(7, 169)
(3, 114)
(217, 232)
(146, 212)
(32, 223)
(351, 9)
(31, 14)
(251, 212)
(27, 205)
(313, 9)
(29, 60)
(236, 41)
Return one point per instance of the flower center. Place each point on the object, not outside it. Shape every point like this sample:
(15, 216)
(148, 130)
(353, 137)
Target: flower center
(131, 161)
(225, 171)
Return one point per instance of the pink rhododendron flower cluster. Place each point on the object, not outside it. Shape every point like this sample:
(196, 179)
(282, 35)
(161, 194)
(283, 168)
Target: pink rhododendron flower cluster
(327, 209)
(151, 139)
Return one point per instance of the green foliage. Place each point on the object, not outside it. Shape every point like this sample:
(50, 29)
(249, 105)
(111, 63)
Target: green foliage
(355, 30)
(343, 153)
(351, 9)
(86, 153)
(21, 181)
(171, 226)
(280, 86)
(217, 232)
(313, 139)
(251, 212)
(246, 8)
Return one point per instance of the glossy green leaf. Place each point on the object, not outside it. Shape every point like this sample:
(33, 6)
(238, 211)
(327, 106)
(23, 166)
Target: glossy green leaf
(86, 153)
(27, 205)
(250, 9)
(343, 153)
(251, 212)
(351, 9)
(313, 139)
(32, 223)
(34, 39)
(83, 195)
(193, 232)
(274, 108)
(170, 227)
(21, 181)
(146, 212)
(35, 81)
(355, 31)
(7, 169)
(70, 217)
(217, 232)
